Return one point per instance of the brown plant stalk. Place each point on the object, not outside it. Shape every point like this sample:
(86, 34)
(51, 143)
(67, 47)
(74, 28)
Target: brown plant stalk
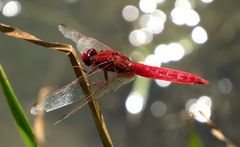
(217, 133)
(76, 65)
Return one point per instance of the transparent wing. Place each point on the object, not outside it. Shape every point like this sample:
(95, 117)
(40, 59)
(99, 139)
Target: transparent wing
(83, 42)
(73, 91)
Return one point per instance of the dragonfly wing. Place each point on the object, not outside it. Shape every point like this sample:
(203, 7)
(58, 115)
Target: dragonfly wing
(115, 82)
(73, 91)
(83, 42)
(60, 98)
(70, 33)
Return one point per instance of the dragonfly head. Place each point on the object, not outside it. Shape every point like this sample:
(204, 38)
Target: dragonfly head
(87, 56)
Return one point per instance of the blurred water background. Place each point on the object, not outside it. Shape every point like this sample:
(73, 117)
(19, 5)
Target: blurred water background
(197, 36)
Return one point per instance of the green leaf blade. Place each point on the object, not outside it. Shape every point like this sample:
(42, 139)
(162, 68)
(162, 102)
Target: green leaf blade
(20, 118)
(194, 140)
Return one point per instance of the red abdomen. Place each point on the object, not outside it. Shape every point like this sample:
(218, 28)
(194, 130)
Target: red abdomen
(165, 74)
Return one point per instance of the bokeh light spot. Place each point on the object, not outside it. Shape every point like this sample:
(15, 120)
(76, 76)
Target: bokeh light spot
(183, 4)
(225, 86)
(187, 45)
(199, 35)
(162, 83)
(147, 6)
(156, 21)
(177, 15)
(200, 108)
(130, 13)
(11, 9)
(140, 37)
(171, 52)
(207, 1)
(152, 60)
(134, 103)
(187, 16)
(177, 51)
(158, 108)
(133, 38)
(192, 18)
(161, 51)
(160, 1)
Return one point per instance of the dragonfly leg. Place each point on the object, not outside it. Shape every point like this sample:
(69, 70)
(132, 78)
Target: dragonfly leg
(105, 82)
(94, 68)
(106, 76)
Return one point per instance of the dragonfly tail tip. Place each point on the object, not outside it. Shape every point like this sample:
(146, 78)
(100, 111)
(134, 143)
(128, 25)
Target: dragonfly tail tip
(203, 81)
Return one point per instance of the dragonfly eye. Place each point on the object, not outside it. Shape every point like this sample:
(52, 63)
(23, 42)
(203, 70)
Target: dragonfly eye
(87, 56)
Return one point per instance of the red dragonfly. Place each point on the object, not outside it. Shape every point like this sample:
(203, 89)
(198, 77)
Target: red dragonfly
(109, 70)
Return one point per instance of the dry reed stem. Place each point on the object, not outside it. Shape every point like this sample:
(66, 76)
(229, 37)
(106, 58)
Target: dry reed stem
(217, 133)
(71, 52)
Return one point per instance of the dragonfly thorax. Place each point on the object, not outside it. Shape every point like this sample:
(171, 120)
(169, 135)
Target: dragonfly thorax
(108, 60)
